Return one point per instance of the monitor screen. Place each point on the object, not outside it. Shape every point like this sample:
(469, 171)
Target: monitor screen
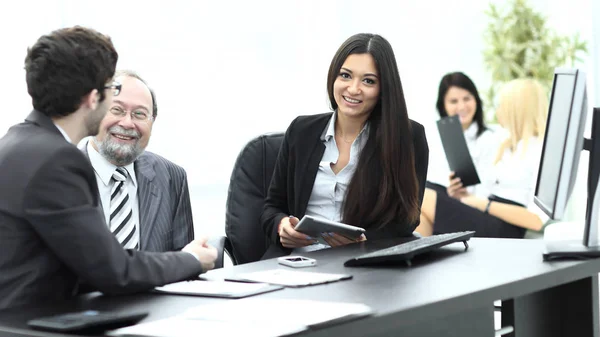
(563, 142)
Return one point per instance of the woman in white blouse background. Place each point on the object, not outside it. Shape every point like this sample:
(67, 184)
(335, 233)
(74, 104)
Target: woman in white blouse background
(508, 210)
(458, 95)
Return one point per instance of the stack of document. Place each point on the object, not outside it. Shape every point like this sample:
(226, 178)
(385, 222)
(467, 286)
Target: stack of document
(251, 317)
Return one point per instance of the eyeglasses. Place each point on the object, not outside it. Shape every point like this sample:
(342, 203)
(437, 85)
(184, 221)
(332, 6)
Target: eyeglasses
(138, 115)
(115, 86)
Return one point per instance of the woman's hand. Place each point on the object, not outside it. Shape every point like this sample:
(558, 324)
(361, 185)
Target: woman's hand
(289, 237)
(455, 188)
(335, 240)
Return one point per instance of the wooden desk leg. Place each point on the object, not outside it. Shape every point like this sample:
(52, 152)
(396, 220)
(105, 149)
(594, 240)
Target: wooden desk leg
(567, 310)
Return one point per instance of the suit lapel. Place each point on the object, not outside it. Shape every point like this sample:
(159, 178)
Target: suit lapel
(308, 180)
(311, 166)
(149, 196)
(84, 150)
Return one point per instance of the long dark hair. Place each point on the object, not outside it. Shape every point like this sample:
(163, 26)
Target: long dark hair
(458, 79)
(384, 188)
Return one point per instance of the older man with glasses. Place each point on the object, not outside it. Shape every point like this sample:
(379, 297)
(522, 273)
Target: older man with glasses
(144, 196)
(53, 237)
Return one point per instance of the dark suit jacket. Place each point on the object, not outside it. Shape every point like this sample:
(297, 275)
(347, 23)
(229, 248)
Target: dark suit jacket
(296, 169)
(164, 203)
(52, 230)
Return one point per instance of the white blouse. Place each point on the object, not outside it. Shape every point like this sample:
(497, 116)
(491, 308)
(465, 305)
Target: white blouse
(329, 189)
(514, 177)
(483, 150)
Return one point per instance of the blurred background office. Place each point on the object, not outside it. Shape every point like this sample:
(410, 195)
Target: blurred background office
(226, 71)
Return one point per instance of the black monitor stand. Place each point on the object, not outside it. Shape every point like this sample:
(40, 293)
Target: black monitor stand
(590, 246)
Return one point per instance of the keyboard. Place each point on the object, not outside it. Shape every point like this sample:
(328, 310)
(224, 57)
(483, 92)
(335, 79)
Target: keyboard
(406, 251)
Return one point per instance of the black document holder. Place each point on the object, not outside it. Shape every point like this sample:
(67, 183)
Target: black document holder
(457, 152)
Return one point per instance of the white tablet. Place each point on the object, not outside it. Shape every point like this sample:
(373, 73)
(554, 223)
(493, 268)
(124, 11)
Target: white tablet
(315, 226)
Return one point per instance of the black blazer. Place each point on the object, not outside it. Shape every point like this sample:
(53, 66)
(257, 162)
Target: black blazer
(296, 169)
(52, 230)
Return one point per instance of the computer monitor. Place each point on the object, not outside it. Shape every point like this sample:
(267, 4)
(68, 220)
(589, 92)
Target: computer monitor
(563, 143)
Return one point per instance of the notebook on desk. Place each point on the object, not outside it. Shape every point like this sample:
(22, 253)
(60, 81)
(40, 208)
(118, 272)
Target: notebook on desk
(221, 289)
(404, 252)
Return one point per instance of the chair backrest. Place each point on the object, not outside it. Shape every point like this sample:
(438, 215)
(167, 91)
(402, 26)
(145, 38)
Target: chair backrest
(248, 188)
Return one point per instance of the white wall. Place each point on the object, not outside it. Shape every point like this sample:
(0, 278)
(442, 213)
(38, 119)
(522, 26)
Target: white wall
(225, 71)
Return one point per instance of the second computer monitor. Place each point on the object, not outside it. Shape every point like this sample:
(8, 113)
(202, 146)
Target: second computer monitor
(563, 142)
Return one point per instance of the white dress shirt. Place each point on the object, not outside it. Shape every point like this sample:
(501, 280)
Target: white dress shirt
(329, 189)
(104, 171)
(63, 132)
(483, 151)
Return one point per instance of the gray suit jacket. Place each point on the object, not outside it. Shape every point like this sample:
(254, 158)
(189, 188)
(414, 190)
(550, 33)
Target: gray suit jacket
(164, 203)
(52, 230)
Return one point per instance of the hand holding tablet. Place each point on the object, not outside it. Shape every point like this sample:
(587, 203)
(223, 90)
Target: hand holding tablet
(319, 228)
(289, 237)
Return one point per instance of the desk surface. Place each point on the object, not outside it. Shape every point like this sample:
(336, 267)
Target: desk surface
(434, 286)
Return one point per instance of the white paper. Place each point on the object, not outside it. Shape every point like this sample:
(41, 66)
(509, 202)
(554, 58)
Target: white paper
(211, 288)
(290, 278)
(303, 312)
(249, 318)
(179, 327)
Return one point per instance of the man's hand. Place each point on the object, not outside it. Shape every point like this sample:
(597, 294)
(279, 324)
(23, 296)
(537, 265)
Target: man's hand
(291, 238)
(455, 188)
(205, 253)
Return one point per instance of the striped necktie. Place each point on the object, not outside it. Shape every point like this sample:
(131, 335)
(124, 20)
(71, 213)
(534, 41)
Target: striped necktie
(122, 222)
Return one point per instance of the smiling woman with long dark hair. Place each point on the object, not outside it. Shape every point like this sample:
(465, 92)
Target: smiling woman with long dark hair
(363, 164)
(458, 96)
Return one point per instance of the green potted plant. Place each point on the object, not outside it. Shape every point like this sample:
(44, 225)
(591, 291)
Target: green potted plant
(520, 44)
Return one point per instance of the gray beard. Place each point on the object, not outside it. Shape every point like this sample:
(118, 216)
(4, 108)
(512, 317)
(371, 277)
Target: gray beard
(118, 154)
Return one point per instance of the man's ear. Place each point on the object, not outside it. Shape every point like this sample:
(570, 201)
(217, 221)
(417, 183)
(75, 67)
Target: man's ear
(91, 100)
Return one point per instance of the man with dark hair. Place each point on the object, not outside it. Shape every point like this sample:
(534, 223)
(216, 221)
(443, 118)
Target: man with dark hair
(52, 231)
(157, 191)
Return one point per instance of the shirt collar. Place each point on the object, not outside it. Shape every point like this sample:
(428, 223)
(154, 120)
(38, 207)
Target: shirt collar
(63, 132)
(329, 131)
(105, 169)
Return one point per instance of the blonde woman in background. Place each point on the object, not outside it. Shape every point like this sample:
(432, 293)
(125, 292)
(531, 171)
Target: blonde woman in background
(509, 210)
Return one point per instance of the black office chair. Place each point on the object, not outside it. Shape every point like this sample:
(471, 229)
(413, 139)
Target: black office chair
(248, 186)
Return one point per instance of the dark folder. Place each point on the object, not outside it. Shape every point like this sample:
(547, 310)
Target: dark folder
(457, 152)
